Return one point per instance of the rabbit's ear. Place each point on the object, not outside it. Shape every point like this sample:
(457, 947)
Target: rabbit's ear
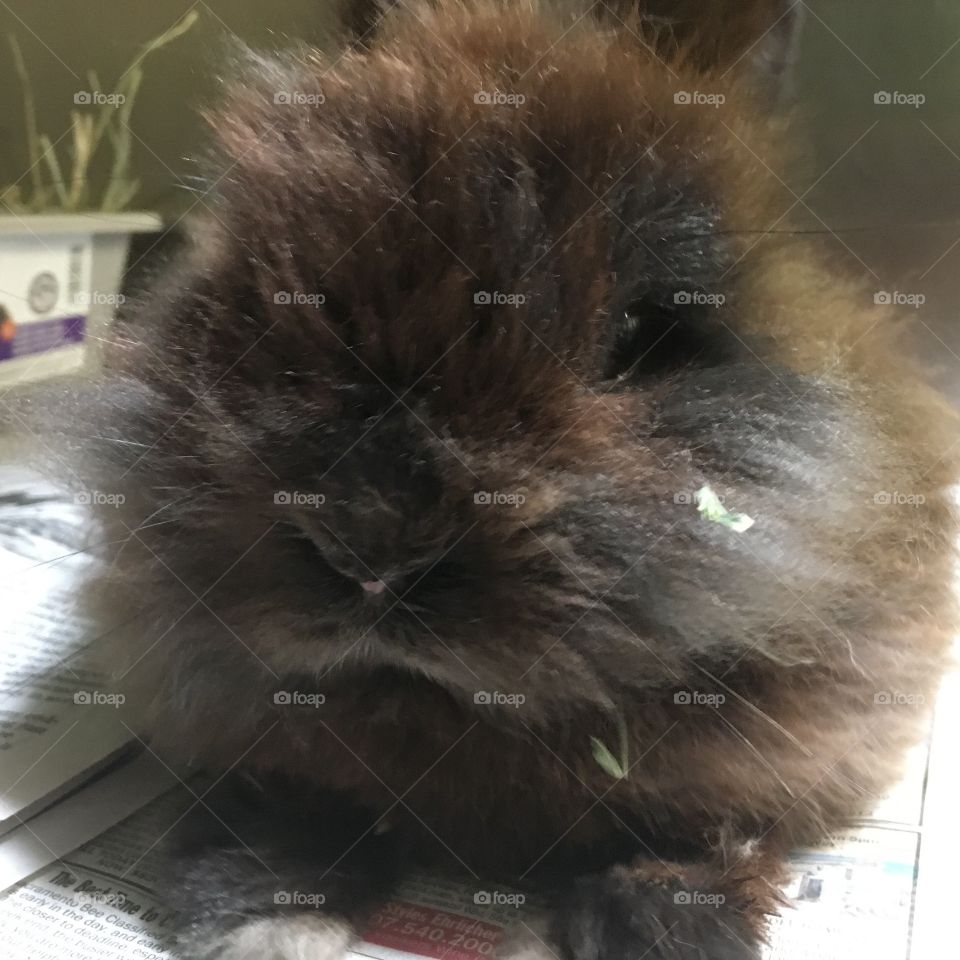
(760, 37)
(757, 37)
(775, 52)
(360, 19)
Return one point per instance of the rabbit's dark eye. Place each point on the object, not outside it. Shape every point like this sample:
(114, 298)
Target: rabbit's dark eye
(667, 330)
(628, 336)
(633, 313)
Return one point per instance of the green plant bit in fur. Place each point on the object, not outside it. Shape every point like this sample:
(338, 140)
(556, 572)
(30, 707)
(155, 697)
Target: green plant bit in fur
(710, 508)
(617, 768)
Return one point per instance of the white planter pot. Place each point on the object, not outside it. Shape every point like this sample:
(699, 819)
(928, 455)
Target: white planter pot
(59, 286)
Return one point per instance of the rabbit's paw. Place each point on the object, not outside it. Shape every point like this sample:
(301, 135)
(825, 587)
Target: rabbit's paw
(620, 916)
(290, 936)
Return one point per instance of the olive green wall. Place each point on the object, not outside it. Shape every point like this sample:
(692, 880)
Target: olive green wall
(899, 170)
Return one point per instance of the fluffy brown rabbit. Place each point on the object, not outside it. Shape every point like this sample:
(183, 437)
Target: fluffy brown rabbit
(412, 443)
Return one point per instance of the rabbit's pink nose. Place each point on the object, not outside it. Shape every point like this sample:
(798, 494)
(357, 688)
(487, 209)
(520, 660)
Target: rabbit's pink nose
(373, 586)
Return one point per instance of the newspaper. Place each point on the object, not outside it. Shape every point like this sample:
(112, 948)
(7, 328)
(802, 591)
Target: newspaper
(99, 902)
(50, 738)
(61, 740)
(81, 891)
(86, 813)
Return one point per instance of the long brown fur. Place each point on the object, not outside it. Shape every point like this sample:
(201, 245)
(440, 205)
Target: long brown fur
(803, 646)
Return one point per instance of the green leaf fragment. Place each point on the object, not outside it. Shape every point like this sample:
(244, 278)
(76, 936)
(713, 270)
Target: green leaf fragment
(710, 508)
(608, 762)
(618, 769)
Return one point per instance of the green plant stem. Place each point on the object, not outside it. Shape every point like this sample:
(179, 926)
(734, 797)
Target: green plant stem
(49, 156)
(29, 117)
